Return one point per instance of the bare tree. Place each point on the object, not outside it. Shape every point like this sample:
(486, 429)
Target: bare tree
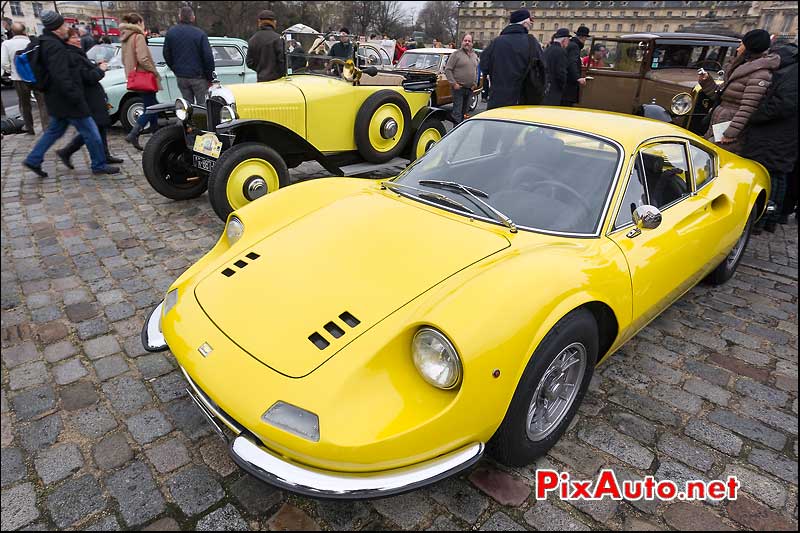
(439, 20)
(388, 18)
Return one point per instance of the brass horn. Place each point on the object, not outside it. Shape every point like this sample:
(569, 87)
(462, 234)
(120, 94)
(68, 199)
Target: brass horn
(349, 70)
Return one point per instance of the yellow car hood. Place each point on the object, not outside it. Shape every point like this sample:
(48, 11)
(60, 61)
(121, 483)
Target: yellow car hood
(367, 254)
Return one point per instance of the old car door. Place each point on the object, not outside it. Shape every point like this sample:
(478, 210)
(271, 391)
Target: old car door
(666, 261)
(228, 63)
(615, 86)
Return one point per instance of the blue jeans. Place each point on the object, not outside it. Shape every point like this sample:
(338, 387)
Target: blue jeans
(148, 99)
(55, 130)
(460, 103)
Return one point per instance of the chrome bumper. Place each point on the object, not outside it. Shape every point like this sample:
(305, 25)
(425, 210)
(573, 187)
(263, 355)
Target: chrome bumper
(152, 337)
(270, 467)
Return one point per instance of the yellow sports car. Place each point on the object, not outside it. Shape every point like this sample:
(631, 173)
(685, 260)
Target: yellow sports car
(360, 338)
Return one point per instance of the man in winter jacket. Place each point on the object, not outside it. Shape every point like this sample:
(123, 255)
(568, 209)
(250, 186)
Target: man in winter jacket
(506, 60)
(555, 60)
(189, 56)
(265, 52)
(770, 136)
(571, 94)
(65, 99)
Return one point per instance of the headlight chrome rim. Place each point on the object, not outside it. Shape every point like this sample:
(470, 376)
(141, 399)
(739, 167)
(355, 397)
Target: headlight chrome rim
(227, 114)
(681, 104)
(183, 109)
(234, 230)
(457, 368)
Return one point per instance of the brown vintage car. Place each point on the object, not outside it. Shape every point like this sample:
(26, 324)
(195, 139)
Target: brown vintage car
(656, 68)
(435, 60)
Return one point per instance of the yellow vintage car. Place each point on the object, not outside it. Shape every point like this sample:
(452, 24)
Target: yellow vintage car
(357, 338)
(241, 144)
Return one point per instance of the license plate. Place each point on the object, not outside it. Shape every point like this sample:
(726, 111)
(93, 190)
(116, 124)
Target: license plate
(208, 144)
(203, 163)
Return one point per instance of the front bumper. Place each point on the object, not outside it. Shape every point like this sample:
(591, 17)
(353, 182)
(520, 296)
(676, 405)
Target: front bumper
(266, 465)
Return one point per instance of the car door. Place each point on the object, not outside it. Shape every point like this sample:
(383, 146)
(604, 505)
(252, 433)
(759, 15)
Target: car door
(229, 63)
(250, 75)
(169, 84)
(615, 86)
(666, 261)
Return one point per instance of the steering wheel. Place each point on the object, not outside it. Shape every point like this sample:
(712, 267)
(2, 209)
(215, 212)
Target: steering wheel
(564, 187)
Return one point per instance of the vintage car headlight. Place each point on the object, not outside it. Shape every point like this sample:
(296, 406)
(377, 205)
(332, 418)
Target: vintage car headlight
(227, 114)
(436, 359)
(170, 300)
(681, 104)
(183, 109)
(293, 419)
(234, 230)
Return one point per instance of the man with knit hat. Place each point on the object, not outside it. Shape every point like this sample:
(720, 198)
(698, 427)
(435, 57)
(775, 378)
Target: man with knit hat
(507, 58)
(265, 53)
(66, 102)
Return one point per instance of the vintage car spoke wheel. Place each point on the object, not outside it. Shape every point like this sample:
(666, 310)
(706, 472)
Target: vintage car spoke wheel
(431, 132)
(382, 127)
(166, 166)
(727, 268)
(131, 110)
(549, 392)
(244, 173)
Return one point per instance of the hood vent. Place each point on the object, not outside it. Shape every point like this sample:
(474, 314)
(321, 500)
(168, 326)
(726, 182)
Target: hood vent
(334, 330)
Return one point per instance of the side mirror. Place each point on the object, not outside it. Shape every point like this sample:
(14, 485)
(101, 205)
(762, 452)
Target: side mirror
(370, 71)
(647, 217)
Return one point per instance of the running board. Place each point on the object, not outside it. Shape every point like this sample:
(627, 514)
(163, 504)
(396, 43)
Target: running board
(361, 168)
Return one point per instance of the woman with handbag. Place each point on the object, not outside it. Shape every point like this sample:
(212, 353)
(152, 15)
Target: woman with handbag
(141, 71)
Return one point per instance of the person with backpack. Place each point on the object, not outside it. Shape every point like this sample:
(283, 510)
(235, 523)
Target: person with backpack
(770, 136)
(461, 72)
(512, 60)
(9, 51)
(572, 90)
(96, 97)
(63, 91)
(136, 57)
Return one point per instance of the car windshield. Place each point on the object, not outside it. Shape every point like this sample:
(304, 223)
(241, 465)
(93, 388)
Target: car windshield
(710, 57)
(309, 52)
(419, 61)
(541, 177)
(102, 52)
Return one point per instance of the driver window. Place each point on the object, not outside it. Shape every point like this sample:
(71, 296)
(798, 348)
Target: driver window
(635, 196)
(666, 173)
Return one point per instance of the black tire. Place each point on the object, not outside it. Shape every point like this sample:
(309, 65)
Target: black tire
(166, 162)
(510, 444)
(125, 110)
(364, 119)
(430, 123)
(727, 268)
(227, 163)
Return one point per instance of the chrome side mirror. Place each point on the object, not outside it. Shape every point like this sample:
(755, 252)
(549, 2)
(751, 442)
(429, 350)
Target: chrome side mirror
(647, 217)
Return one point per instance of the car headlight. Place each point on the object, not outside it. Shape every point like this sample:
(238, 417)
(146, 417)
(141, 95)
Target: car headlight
(234, 230)
(681, 104)
(227, 114)
(436, 359)
(183, 109)
(170, 300)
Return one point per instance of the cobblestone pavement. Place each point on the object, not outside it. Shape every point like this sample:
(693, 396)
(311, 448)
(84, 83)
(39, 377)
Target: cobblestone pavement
(97, 434)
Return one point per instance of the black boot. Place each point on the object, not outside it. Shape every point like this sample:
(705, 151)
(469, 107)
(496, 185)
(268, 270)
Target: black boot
(133, 137)
(64, 156)
(113, 160)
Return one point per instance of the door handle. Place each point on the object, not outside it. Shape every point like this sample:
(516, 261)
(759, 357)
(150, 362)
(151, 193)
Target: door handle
(241, 74)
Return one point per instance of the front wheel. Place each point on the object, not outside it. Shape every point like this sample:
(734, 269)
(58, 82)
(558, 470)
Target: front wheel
(243, 174)
(428, 134)
(131, 110)
(550, 391)
(166, 163)
(727, 268)
(473, 102)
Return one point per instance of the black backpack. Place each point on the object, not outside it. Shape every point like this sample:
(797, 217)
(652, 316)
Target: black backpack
(534, 83)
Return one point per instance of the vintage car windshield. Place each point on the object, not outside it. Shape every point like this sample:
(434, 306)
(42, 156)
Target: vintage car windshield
(541, 177)
(410, 60)
(710, 57)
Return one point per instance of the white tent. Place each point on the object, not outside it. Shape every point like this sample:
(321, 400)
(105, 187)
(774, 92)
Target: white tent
(300, 28)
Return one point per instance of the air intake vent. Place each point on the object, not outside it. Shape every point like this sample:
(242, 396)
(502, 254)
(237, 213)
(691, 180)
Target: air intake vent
(228, 272)
(253, 256)
(241, 263)
(349, 319)
(319, 341)
(334, 330)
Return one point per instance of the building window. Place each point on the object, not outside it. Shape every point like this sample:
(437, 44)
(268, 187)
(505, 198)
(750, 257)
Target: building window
(597, 14)
(608, 14)
(633, 28)
(16, 9)
(680, 27)
(541, 26)
(570, 26)
(683, 14)
(635, 13)
(652, 14)
(585, 13)
(556, 25)
(37, 9)
(649, 27)
(699, 14)
(594, 27)
(666, 27)
(669, 13)
(606, 27)
(619, 27)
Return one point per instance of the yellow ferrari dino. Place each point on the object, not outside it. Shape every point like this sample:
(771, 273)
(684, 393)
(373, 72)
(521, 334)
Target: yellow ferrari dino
(355, 338)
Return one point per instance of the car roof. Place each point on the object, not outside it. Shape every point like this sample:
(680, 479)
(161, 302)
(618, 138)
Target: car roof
(211, 40)
(627, 130)
(431, 51)
(679, 36)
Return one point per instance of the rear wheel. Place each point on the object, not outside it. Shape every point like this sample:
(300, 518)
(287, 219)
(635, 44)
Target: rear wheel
(243, 174)
(431, 132)
(131, 110)
(166, 163)
(550, 391)
(727, 268)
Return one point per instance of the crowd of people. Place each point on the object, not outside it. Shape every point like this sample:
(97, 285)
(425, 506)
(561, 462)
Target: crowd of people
(757, 102)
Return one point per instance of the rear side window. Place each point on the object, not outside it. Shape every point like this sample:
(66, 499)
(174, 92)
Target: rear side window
(227, 56)
(702, 165)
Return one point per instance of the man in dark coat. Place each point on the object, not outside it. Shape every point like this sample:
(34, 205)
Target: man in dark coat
(188, 54)
(506, 60)
(265, 52)
(96, 97)
(555, 60)
(771, 133)
(65, 98)
(87, 41)
(571, 94)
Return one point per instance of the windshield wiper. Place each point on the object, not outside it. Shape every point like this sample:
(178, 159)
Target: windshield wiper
(474, 193)
(429, 195)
